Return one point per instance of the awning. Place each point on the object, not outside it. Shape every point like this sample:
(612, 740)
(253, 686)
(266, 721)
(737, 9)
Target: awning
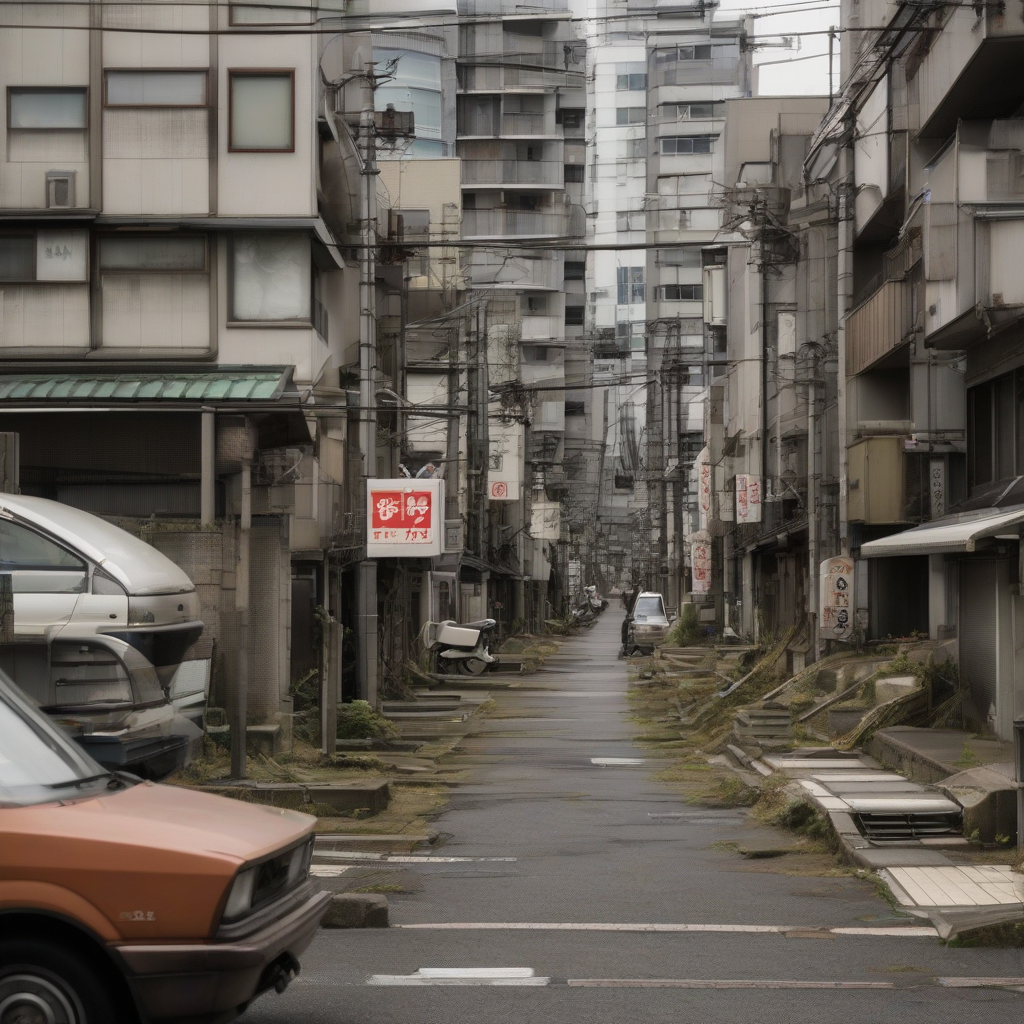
(226, 384)
(951, 534)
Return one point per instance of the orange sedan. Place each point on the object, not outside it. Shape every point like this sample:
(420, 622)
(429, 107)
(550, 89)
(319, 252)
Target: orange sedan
(126, 902)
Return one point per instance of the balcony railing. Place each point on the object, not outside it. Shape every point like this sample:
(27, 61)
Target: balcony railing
(499, 223)
(502, 173)
(542, 328)
(528, 123)
(883, 322)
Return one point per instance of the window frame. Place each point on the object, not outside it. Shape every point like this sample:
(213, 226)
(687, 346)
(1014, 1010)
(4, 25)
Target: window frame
(205, 72)
(257, 73)
(696, 295)
(13, 89)
(295, 322)
(675, 139)
(124, 272)
(32, 237)
(630, 112)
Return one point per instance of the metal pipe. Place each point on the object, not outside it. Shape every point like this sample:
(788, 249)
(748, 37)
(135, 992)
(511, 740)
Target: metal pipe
(208, 467)
(844, 298)
(239, 722)
(812, 502)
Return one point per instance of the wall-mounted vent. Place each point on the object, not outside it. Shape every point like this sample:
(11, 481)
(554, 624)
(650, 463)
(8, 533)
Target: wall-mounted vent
(60, 190)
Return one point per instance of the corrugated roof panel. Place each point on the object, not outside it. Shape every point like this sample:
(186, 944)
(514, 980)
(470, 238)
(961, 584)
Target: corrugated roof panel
(227, 384)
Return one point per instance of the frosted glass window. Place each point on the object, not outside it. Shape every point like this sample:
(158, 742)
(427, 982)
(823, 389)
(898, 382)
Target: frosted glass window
(262, 111)
(156, 88)
(46, 108)
(272, 277)
(153, 254)
(17, 258)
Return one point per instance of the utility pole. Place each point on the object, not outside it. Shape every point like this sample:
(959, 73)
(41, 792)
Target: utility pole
(366, 596)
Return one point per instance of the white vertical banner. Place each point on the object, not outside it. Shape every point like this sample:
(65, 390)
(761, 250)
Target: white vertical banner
(937, 487)
(835, 599)
(700, 566)
(748, 498)
(704, 485)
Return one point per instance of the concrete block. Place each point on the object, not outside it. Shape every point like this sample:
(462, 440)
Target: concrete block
(357, 910)
(373, 796)
(895, 686)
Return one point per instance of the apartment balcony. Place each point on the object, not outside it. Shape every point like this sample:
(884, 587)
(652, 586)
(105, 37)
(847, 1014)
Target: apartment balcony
(501, 223)
(972, 68)
(478, 77)
(529, 271)
(699, 72)
(485, 8)
(883, 322)
(542, 174)
(542, 328)
(513, 124)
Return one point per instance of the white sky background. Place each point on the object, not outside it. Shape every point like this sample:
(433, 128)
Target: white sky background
(794, 77)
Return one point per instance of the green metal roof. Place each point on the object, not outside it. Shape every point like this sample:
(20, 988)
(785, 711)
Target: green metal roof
(225, 384)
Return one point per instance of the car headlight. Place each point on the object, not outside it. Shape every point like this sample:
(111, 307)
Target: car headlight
(240, 897)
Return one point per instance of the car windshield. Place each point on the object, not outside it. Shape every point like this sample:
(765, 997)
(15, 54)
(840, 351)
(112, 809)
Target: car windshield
(38, 763)
(649, 607)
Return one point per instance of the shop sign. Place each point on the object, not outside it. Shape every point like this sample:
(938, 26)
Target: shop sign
(404, 518)
(700, 566)
(748, 498)
(835, 601)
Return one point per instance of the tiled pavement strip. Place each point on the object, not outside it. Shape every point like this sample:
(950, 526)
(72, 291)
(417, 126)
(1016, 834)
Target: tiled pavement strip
(918, 874)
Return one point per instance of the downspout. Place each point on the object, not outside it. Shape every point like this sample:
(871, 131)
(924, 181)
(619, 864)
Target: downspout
(844, 297)
(812, 501)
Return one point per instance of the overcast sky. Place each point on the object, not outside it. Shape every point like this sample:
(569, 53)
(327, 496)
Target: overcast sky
(794, 77)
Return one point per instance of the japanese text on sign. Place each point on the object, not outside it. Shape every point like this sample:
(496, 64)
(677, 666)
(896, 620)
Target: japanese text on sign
(402, 517)
(835, 613)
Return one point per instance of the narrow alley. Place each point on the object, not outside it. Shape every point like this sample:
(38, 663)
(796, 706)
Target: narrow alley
(568, 870)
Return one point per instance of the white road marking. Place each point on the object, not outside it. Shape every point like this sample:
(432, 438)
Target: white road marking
(618, 762)
(327, 870)
(981, 982)
(909, 931)
(394, 858)
(729, 983)
(463, 976)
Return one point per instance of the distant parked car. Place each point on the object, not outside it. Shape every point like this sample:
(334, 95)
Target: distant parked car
(126, 902)
(647, 624)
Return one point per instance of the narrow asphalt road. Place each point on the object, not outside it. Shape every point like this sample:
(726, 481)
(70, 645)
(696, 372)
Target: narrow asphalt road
(557, 828)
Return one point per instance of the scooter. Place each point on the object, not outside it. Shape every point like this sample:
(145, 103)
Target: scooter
(460, 647)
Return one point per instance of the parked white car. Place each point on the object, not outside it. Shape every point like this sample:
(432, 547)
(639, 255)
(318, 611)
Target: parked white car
(78, 578)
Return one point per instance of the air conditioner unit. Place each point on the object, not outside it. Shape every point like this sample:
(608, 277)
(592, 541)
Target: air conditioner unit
(60, 190)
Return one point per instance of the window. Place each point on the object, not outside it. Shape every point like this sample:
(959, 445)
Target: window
(702, 51)
(261, 111)
(41, 109)
(22, 548)
(272, 277)
(574, 172)
(570, 118)
(17, 258)
(630, 220)
(630, 83)
(679, 292)
(575, 409)
(679, 256)
(147, 254)
(692, 111)
(631, 115)
(630, 284)
(573, 316)
(681, 145)
(574, 270)
(156, 89)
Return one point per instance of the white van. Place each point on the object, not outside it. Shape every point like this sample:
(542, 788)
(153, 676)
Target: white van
(75, 575)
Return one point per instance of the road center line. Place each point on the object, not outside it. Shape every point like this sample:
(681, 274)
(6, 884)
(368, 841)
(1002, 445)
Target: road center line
(391, 858)
(725, 984)
(908, 932)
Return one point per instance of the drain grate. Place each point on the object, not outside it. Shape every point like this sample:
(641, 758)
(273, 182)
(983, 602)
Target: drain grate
(896, 827)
